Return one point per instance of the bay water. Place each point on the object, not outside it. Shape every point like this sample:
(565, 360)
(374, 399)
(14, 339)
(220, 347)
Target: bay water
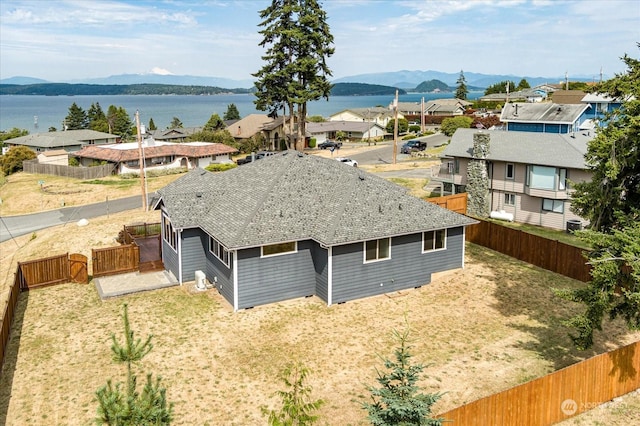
(39, 113)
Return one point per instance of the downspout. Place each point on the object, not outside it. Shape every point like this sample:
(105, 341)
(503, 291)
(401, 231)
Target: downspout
(179, 255)
(235, 281)
(329, 276)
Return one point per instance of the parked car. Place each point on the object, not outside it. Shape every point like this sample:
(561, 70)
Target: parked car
(413, 145)
(347, 161)
(330, 145)
(258, 156)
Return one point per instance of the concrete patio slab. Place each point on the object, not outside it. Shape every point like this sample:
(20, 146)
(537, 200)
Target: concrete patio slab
(133, 282)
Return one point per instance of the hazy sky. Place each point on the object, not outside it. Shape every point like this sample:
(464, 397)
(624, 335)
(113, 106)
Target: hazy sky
(62, 40)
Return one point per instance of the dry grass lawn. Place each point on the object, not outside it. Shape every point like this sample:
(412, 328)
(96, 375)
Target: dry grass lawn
(490, 326)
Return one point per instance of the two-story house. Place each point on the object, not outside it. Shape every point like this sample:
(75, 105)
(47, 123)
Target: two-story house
(530, 173)
(544, 117)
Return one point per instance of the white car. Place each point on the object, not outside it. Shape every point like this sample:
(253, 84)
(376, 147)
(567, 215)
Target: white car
(347, 161)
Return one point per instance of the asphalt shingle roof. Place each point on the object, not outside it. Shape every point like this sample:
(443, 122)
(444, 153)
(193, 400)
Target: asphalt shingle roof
(293, 196)
(545, 149)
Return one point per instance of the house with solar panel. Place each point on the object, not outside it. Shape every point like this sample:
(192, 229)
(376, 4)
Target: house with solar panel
(294, 225)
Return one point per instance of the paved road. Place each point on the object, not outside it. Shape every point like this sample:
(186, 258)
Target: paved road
(14, 226)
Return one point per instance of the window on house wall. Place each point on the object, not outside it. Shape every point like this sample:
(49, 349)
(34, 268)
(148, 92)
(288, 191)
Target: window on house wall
(434, 240)
(219, 251)
(509, 199)
(556, 206)
(170, 235)
(562, 180)
(278, 249)
(511, 171)
(541, 177)
(375, 250)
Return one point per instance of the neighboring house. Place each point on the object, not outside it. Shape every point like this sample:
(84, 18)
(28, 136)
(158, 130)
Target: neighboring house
(57, 156)
(353, 130)
(125, 157)
(599, 105)
(568, 96)
(529, 172)
(377, 115)
(249, 126)
(69, 140)
(544, 117)
(274, 133)
(446, 107)
(294, 225)
(178, 134)
(527, 95)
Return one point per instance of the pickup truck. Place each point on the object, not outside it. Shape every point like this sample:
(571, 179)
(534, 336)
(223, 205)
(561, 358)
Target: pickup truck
(413, 145)
(258, 155)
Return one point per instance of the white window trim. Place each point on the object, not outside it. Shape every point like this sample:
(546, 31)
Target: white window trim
(167, 228)
(377, 259)
(506, 171)
(446, 234)
(507, 197)
(295, 250)
(211, 241)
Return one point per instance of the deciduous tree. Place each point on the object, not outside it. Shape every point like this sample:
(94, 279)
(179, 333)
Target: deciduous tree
(12, 161)
(175, 123)
(214, 123)
(450, 125)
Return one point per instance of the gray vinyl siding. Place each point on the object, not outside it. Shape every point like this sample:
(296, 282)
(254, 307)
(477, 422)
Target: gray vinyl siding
(320, 262)
(195, 244)
(275, 278)
(170, 258)
(408, 267)
(220, 275)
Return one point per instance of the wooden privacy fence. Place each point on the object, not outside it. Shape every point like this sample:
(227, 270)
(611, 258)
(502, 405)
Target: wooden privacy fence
(549, 254)
(115, 260)
(52, 270)
(559, 395)
(456, 203)
(7, 318)
(97, 172)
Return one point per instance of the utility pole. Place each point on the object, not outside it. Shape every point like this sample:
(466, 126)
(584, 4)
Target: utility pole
(395, 127)
(141, 161)
(422, 129)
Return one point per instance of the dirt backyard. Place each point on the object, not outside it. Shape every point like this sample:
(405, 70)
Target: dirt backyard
(490, 326)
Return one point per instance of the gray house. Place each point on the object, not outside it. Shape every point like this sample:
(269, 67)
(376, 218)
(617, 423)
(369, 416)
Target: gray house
(268, 232)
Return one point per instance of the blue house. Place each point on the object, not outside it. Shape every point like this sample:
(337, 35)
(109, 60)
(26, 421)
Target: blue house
(295, 225)
(544, 117)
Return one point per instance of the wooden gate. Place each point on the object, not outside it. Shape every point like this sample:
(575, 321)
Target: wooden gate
(78, 271)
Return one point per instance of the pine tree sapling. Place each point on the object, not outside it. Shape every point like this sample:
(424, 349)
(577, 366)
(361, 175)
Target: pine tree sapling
(297, 409)
(117, 406)
(398, 400)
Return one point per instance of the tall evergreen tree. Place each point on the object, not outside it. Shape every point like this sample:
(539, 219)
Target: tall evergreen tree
(232, 113)
(76, 119)
(398, 400)
(461, 90)
(613, 157)
(119, 122)
(298, 43)
(97, 118)
(611, 203)
(524, 84)
(152, 125)
(131, 408)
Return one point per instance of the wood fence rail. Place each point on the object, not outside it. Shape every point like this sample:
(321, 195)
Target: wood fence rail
(115, 260)
(549, 254)
(559, 395)
(456, 203)
(7, 318)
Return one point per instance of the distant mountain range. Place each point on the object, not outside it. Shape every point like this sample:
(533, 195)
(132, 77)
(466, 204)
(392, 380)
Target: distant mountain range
(400, 79)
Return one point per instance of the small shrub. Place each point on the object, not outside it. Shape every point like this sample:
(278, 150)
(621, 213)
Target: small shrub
(312, 143)
(220, 167)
